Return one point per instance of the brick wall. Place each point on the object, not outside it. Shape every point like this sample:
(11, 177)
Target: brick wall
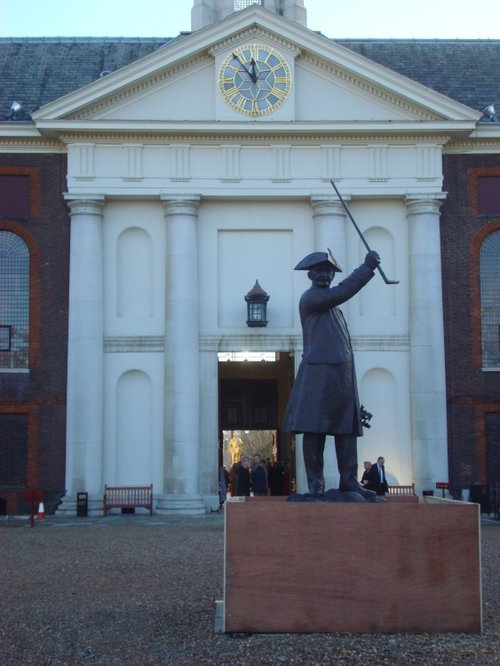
(472, 394)
(38, 399)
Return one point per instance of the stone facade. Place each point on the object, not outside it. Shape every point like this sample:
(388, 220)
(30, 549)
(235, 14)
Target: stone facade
(154, 206)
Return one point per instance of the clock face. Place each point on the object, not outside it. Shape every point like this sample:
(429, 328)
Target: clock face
(254, 80)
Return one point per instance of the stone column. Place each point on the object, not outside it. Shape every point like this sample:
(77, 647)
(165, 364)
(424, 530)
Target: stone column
(427, 368)
(182, 373)
(330, 227)
(209, 417)
(85, 390)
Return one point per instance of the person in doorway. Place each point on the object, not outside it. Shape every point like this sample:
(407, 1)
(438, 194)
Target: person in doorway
(223, 485)
(243, 483)
(377, 481)
(275, 478)
(324, 398)
(259, 477)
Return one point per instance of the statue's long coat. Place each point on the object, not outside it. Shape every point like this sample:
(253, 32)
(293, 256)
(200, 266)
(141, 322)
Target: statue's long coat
(324, 397)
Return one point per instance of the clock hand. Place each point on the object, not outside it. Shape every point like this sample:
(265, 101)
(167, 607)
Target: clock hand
(246, 70)
(254, 75)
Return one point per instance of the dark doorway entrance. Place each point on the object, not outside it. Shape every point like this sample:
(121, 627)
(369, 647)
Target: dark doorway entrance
(248, 404)
(252, 399)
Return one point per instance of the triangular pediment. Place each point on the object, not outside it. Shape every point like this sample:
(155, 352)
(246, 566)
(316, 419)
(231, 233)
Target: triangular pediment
(178, 84)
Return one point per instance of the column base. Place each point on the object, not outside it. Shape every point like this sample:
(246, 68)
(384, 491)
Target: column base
(67, 507)
(180, 505)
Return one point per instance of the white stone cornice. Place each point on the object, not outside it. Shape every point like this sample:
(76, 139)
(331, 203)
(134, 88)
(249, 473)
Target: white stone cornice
(486, 131)
(33, 145)
(132, 344)
(380, 342)
(264, 341)
(269, 342)
(474, 145)
(251, 34)
(439, 132)
(18, 129)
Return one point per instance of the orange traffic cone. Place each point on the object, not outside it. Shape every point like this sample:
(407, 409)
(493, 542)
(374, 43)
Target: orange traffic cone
(41, 511)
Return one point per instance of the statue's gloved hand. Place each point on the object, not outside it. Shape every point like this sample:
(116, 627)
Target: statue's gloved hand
(372, 259)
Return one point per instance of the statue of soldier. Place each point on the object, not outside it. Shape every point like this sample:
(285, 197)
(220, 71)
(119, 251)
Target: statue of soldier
(324, 398)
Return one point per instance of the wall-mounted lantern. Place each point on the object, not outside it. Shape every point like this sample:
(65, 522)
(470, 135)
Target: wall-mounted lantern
(256, 306)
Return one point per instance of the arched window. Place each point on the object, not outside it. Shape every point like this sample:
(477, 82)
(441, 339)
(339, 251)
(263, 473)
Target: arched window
(490, 300)
(14, 301)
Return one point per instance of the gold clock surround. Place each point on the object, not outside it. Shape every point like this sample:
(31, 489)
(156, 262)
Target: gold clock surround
(255, 80)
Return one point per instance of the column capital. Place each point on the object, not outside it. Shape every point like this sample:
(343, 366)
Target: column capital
(424, 204)
(179, 204)
(85, 204)
(326, 205)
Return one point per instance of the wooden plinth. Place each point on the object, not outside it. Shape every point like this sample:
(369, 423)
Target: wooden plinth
(391, 567)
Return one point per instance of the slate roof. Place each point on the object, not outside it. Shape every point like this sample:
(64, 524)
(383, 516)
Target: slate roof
(468, 71)
(35, 71)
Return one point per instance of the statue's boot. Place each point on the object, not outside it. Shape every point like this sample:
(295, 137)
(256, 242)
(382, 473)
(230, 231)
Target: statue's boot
(313, 446)
(347, 461)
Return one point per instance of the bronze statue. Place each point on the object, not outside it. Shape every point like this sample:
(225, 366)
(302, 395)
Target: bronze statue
(324, 398)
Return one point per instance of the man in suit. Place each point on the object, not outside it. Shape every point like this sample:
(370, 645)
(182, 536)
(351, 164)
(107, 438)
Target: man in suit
(258, 477)
(377, 480)
(324, 398)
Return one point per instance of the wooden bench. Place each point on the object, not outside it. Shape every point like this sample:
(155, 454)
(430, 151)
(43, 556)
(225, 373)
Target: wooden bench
(402, 490)
(404, 494)
(128, 497)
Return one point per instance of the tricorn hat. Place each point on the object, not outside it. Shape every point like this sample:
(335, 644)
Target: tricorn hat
(316, 258)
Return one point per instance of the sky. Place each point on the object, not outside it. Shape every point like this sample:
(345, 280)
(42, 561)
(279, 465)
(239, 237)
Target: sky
(406, 19)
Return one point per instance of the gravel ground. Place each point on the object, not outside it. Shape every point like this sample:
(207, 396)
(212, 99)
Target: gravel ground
(135, 590)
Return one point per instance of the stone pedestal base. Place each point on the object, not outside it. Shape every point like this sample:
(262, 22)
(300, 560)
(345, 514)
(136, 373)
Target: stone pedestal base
(390, 567)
